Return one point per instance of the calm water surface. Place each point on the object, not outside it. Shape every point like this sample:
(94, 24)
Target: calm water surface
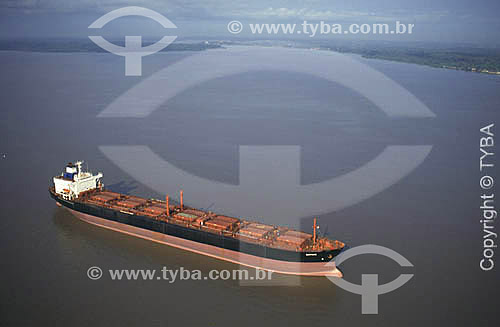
(49, 105)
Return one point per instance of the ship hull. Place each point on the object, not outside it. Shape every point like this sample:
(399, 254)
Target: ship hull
(215, 246)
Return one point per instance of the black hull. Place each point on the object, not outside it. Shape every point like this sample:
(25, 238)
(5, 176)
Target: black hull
(199, 236)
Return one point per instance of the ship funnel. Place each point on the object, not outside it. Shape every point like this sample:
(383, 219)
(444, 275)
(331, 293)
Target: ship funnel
(182, 200)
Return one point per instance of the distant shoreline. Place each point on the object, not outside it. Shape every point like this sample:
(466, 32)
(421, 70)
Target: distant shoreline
(87, 46)
(462, 58)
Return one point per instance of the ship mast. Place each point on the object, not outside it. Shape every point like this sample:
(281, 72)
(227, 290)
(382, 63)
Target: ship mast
(314, 232)
(168, 206)
(79, 165)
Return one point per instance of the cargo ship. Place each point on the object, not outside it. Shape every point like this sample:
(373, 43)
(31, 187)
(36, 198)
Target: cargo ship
(241, 241)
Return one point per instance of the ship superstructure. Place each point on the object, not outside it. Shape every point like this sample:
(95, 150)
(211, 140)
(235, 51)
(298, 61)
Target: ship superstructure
(73, 181)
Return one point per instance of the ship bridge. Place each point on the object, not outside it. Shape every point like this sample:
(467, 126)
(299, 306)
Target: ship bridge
(74, 181)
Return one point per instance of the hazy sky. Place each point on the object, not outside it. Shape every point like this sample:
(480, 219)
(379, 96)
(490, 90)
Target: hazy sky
(435, 20)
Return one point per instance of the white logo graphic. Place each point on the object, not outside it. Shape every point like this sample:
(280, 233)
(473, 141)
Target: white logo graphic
(369, 288)
(94, 273)
(133, 50)
(234, 27)
(277, 166)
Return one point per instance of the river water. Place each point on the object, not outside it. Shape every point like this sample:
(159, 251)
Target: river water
(50, 104)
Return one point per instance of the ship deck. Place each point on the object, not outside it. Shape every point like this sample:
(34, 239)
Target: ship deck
(242, 229)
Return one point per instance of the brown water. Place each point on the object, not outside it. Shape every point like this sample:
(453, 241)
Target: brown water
(49, 105)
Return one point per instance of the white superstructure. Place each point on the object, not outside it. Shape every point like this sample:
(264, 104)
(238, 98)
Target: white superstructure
(74, 181)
